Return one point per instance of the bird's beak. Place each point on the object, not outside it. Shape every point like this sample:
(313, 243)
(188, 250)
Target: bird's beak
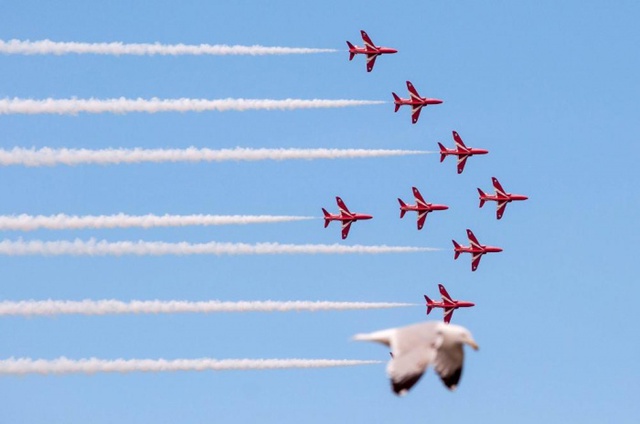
(473, 344)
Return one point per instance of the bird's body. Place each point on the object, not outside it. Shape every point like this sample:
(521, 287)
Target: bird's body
(417, 346)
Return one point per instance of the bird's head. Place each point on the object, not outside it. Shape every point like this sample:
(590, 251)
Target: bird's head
(459, 334)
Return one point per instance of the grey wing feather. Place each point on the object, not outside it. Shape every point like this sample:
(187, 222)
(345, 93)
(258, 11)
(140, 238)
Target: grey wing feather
(408, 338)
(405, 370)
(448, 364)
(414, 348)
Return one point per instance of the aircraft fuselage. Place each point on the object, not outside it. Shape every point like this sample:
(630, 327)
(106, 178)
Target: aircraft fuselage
(469, 152)
(484, 249)
(354, 217)
(430, 207)
(378, 51)
(424, 102)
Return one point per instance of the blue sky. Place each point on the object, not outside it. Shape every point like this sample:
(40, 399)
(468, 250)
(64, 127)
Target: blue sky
(550, 89)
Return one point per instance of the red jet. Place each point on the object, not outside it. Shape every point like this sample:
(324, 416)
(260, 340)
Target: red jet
(501, 197)
(447, 304)
(422, 207)
(345, 216)
(371, 50)
(462, 151)
(415, 101)
(475, 248)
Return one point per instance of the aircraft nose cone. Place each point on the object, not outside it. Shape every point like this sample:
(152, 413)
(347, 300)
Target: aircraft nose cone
(437, 101)
(445, 207)
(525, 198)
(393, 51)
(498, 249)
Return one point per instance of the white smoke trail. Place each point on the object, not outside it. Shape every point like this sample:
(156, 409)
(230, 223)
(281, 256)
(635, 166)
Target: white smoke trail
(49, 157)
(144, 248)
(72, 222)
(110, 307)
(147, 49)
(122, 105)
(21, 366)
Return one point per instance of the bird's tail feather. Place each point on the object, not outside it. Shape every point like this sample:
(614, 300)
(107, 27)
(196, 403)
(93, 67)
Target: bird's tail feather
(382, 336)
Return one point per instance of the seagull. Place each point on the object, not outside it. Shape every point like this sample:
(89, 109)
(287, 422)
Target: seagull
(415, 347)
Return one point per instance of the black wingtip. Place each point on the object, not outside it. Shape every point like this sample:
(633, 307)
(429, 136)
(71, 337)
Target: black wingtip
(402, 387)
(451, 381)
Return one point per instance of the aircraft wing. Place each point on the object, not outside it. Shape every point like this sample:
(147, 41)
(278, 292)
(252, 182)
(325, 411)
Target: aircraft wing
(462, 161)
(343, 208)
(418, 197)
(445, 295)
(415, 113)
(346, 226)
(371, 60)
(501, 208)
(459, 143)
(475, 261)
(367, 41)
(448, 313)
(473, 240)
(422, 217)
(413, 93)
(498, 187)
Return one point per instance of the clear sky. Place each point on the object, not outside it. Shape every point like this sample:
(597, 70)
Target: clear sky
(550, 88)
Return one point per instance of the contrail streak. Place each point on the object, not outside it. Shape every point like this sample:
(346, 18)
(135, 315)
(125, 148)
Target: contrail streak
(146, 49)
(93, 247)
(123, 105)
(72, 222)
(21, 366)
(49, 157)
(112, 307)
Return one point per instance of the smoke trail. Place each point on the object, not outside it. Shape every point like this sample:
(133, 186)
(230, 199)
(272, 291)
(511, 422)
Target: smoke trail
(20, 366)
(72, 222)
(49, 157)
(123, 105)
(109, 307)
(146, 49)
(145, 248)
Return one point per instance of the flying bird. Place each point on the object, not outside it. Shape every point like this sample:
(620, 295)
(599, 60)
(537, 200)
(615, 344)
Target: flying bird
(415, 347)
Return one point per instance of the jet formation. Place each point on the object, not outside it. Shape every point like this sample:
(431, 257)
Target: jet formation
(414, 348)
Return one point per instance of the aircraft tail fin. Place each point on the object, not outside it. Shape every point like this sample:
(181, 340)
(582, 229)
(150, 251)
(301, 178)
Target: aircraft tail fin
(482, 195)
(442, 152)
(396, 101)
(456, 246)
(351, 47)
(429, 302)
(326, 217)
(402, 205)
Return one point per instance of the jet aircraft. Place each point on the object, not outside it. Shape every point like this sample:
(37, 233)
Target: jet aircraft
(448, 304)
(462, 151)
(475, 248)
(345, 216)
(501, 197)
(371, 50)
(415, 101)
(422, 207)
